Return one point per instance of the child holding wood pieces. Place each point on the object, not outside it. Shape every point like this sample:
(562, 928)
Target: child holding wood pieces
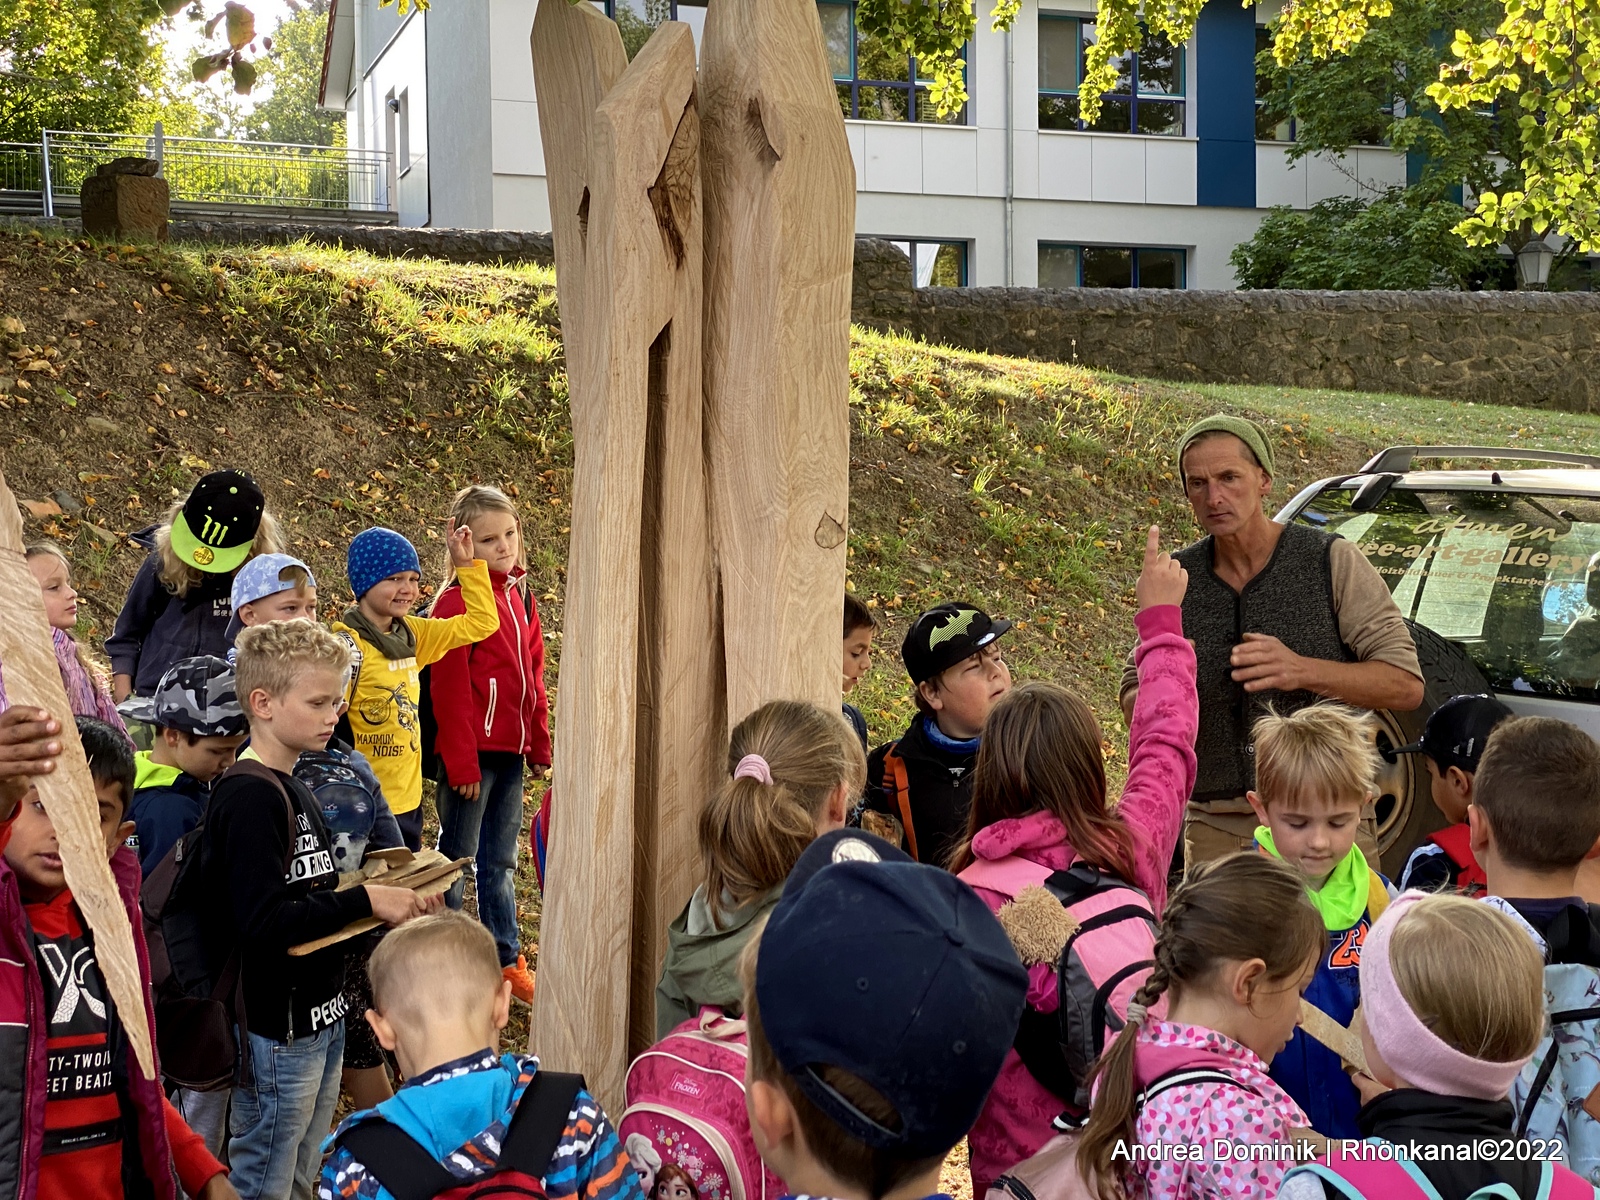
(466, 1114)
(394, 646)
(179, 605)
(919, 788)
(859, 627)
(1451, 1009)
(269, 861)
(493, 716)
(793, 770)
(1039, 806)
(1315, 772)
(71, 1089)
(880, 1000)
(86, 678)
(1451, 744)
(1232, 981)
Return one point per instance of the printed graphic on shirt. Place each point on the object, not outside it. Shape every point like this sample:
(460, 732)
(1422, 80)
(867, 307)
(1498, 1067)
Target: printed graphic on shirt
(1347, 951)
(81, 1108)
(394, 706)
(311, 860)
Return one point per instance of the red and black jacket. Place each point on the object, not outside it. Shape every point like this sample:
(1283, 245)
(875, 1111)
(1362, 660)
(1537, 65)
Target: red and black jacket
(490, 695)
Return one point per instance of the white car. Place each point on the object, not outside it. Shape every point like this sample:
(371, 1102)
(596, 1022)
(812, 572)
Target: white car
(1498, 574)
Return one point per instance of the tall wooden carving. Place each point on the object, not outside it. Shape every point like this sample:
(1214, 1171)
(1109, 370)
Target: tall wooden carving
(640, 706)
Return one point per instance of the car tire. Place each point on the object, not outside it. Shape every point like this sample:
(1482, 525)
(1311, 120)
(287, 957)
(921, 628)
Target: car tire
(1406, 813)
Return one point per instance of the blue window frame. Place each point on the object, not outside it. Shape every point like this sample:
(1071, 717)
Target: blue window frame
(1147, 97)
(1067, 266)
(935, 264)
(874, 82)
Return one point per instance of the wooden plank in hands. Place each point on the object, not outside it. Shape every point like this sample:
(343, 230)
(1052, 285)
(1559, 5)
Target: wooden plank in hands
(621, 370)
(435, 881)
(33, 677)
(780, 234)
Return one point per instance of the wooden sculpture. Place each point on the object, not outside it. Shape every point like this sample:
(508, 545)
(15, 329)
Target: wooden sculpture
(32, 677)
(640, 708)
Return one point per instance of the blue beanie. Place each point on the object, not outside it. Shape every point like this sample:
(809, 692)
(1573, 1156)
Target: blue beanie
(376, 554)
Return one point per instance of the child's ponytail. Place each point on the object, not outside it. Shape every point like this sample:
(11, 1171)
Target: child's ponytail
(784, 761)
(1237, 908)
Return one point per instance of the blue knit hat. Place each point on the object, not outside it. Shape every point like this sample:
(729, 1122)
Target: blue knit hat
(376, 554)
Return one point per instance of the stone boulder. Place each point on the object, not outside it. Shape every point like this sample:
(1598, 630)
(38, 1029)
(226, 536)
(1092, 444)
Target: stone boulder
(126, 199)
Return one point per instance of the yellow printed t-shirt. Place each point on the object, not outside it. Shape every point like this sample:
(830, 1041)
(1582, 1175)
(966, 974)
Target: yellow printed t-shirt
(383, 696)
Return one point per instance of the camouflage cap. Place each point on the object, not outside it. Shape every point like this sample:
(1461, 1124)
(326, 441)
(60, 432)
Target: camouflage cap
(196, 695)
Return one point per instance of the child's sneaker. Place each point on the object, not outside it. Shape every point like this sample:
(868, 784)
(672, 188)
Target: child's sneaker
(521, 979)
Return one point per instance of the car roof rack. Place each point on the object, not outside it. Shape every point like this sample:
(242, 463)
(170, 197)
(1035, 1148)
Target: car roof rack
(1398, 458)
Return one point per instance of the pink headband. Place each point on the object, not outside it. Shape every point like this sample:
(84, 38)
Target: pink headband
(1414, 1051)
(753, 766)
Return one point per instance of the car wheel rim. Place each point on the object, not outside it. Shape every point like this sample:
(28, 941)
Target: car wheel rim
(1393, 784)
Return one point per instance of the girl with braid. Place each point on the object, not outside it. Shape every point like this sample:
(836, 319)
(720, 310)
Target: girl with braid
(1239, 942)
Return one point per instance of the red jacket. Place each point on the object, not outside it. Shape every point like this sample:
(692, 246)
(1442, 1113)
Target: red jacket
(490, 695)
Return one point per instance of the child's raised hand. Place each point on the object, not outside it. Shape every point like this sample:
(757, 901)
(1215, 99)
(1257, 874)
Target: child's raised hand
(1163, 579)
(460, 542)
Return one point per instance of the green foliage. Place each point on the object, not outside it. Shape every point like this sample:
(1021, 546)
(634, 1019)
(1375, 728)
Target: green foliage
(294, 72)
(85, 65)
(1401, 240)
(1379, 92)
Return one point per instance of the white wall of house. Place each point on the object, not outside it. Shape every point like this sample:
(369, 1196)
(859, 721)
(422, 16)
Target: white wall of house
(914, 181)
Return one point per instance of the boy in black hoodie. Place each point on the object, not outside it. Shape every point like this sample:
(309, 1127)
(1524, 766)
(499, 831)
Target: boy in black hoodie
(291, 680)
(923, 782)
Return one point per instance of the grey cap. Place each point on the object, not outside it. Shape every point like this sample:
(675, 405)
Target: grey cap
(196, 695)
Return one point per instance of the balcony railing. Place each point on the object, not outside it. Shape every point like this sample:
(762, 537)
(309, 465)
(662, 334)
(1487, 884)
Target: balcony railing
(202, 173)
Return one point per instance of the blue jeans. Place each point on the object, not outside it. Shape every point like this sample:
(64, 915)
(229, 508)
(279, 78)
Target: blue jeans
(489, 831)
(279, 1123)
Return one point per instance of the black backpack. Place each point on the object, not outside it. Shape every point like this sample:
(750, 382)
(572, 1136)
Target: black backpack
(408, 1172)
(198, 1002)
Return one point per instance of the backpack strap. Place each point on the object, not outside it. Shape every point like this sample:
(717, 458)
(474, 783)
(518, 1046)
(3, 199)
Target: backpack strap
(1562, 1183)
(1552, 1059)
(408, 1172)
(894, 770)
(539, 1123)
(1186, 1077)
(1008, 875)
(1377, 897)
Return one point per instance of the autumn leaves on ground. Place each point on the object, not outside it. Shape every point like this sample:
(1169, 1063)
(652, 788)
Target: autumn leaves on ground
(363, 391)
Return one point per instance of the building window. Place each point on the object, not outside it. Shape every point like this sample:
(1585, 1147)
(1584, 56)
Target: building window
(1110, 267)
(936, 264)
(637, 19)
(875, 83)
(1269, 127)
(1147, 97)
(1276, 125)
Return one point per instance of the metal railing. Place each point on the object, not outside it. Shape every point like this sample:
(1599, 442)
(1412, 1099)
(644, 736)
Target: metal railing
(213, 172)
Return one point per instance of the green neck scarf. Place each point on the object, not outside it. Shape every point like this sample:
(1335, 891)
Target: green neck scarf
(1343, 897)
(396, 644)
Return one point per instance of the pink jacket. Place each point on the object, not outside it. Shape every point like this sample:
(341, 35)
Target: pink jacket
(1256, 1112)
(1015, 1123)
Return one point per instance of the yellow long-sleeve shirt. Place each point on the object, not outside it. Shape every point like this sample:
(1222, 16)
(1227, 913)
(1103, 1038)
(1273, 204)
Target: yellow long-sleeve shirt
(383, 695)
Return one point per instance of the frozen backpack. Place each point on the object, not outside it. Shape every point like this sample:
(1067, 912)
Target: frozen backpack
(1558, 1093)
(1107, 956)
(1394, 1178)
(686, 1095)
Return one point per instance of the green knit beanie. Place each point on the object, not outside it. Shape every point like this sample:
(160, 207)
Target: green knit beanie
(1245, 431)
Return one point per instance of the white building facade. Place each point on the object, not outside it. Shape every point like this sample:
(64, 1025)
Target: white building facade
(1012, 190)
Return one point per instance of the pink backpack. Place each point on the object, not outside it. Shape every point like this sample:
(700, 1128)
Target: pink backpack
(1104, 962)
(686, 1095)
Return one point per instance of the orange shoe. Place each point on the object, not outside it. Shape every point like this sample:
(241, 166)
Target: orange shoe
(521, 980)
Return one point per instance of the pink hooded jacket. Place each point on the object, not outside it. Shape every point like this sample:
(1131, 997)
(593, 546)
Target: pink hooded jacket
(1015, 1123)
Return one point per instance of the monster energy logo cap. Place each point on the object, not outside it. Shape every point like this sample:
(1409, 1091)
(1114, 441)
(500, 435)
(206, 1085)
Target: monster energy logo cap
(946, 634)
(218, 524)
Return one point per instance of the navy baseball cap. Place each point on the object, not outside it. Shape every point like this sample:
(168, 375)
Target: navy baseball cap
(946, 634)
(897, 973)
(1457, 731)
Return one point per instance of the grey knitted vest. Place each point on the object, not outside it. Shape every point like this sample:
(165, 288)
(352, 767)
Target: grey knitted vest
(1291, 599)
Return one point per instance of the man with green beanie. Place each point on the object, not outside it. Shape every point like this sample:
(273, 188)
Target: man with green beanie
(1280, 615)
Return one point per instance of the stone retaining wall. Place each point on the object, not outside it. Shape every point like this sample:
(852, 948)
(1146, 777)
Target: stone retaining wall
(1495, 347)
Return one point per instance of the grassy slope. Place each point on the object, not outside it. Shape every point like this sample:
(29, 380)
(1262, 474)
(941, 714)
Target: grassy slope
(364, 391)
